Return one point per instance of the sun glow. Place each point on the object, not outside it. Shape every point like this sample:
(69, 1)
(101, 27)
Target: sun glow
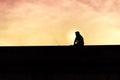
(71, 35)
(54, 22)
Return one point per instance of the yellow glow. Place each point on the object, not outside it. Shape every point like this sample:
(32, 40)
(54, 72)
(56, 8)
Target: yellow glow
(54, 22)
(106, 30)
(71, 35)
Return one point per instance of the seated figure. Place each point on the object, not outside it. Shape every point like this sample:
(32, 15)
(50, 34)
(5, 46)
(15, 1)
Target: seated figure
(79, 41)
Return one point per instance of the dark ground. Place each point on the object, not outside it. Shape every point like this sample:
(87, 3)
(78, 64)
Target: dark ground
(60, 63)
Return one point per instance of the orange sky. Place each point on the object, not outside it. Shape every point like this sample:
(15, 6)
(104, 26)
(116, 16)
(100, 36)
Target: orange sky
(54, 22)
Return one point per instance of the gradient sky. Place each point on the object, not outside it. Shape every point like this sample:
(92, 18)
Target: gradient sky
(54, 22)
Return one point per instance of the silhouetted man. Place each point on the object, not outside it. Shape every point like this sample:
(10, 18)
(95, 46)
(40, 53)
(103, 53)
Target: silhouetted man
(79, 41)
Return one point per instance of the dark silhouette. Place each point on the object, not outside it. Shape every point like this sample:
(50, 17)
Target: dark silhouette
(79, 41)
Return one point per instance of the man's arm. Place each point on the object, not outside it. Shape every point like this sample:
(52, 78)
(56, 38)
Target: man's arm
(75, 41)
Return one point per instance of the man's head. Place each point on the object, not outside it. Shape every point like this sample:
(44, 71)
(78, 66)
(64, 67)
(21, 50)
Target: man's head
(77, 33)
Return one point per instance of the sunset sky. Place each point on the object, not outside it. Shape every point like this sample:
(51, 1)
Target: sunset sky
(54, 22)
